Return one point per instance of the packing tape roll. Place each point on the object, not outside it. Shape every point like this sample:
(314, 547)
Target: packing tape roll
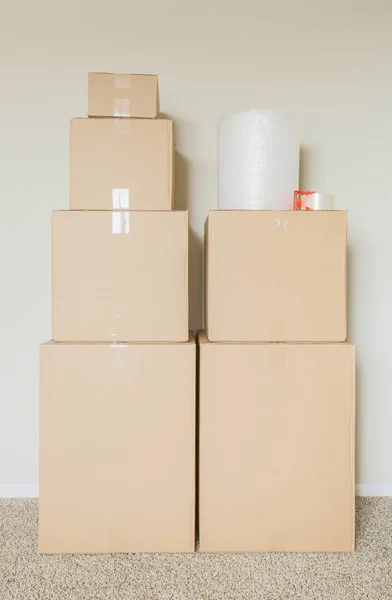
(319, 202)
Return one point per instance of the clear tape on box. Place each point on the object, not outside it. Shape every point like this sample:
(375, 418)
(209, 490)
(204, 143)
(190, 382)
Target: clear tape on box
(258, 161)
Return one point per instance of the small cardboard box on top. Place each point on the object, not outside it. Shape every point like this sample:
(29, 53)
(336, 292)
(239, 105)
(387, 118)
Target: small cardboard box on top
(276, 439)
(276, 276)
(117, 448)
(111, 95)
(121, 164)
(120, 276)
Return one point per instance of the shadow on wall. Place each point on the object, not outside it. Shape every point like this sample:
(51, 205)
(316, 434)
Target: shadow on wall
(309, 178)
(182, 197)
(309, 168)
(350, 329)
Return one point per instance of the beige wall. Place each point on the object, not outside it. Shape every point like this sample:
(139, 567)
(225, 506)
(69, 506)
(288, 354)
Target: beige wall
(327, 64)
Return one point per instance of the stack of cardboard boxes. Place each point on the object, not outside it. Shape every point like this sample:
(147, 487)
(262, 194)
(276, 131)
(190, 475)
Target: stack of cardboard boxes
(117, 383)
(276, 384)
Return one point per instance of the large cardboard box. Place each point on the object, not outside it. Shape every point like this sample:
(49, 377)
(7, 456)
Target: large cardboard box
(120, 276)
(121, 164)
(276, 276)
(111, 95)
(276, 447)
(117, 448)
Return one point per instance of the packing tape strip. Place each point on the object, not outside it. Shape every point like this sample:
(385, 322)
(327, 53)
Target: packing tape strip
(282, 224)
(120, 198)
(123, 82)
(122, 107)
(120, 222)
(121, 126)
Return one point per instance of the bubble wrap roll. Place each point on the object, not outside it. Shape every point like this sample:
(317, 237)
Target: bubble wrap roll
(258, 161)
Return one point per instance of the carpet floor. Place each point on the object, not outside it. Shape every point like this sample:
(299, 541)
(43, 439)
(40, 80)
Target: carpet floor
(26, 575)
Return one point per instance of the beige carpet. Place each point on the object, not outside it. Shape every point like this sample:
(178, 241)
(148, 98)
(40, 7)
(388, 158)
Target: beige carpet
(25, 575)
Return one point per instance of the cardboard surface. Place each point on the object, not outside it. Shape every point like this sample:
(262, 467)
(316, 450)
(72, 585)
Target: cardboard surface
(117, 448)
(111, 95)
(277, 434)
(276, 276)
(121, 164)
(120, 276)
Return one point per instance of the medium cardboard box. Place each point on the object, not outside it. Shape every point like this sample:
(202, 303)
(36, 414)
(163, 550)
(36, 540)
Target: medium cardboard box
(111, 95)
(117, 448)
(276, 447)
(121, 164)
(276, 276)
(120, 276)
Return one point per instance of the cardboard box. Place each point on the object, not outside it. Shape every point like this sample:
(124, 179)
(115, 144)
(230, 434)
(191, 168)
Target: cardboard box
(276, 443)
(120, 276)
(276, 276)
(121, 164)
(117, 448)
(111, 95)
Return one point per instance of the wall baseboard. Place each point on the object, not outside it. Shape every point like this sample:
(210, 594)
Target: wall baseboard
(31, 491)
(373, 489)
(18, 491)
